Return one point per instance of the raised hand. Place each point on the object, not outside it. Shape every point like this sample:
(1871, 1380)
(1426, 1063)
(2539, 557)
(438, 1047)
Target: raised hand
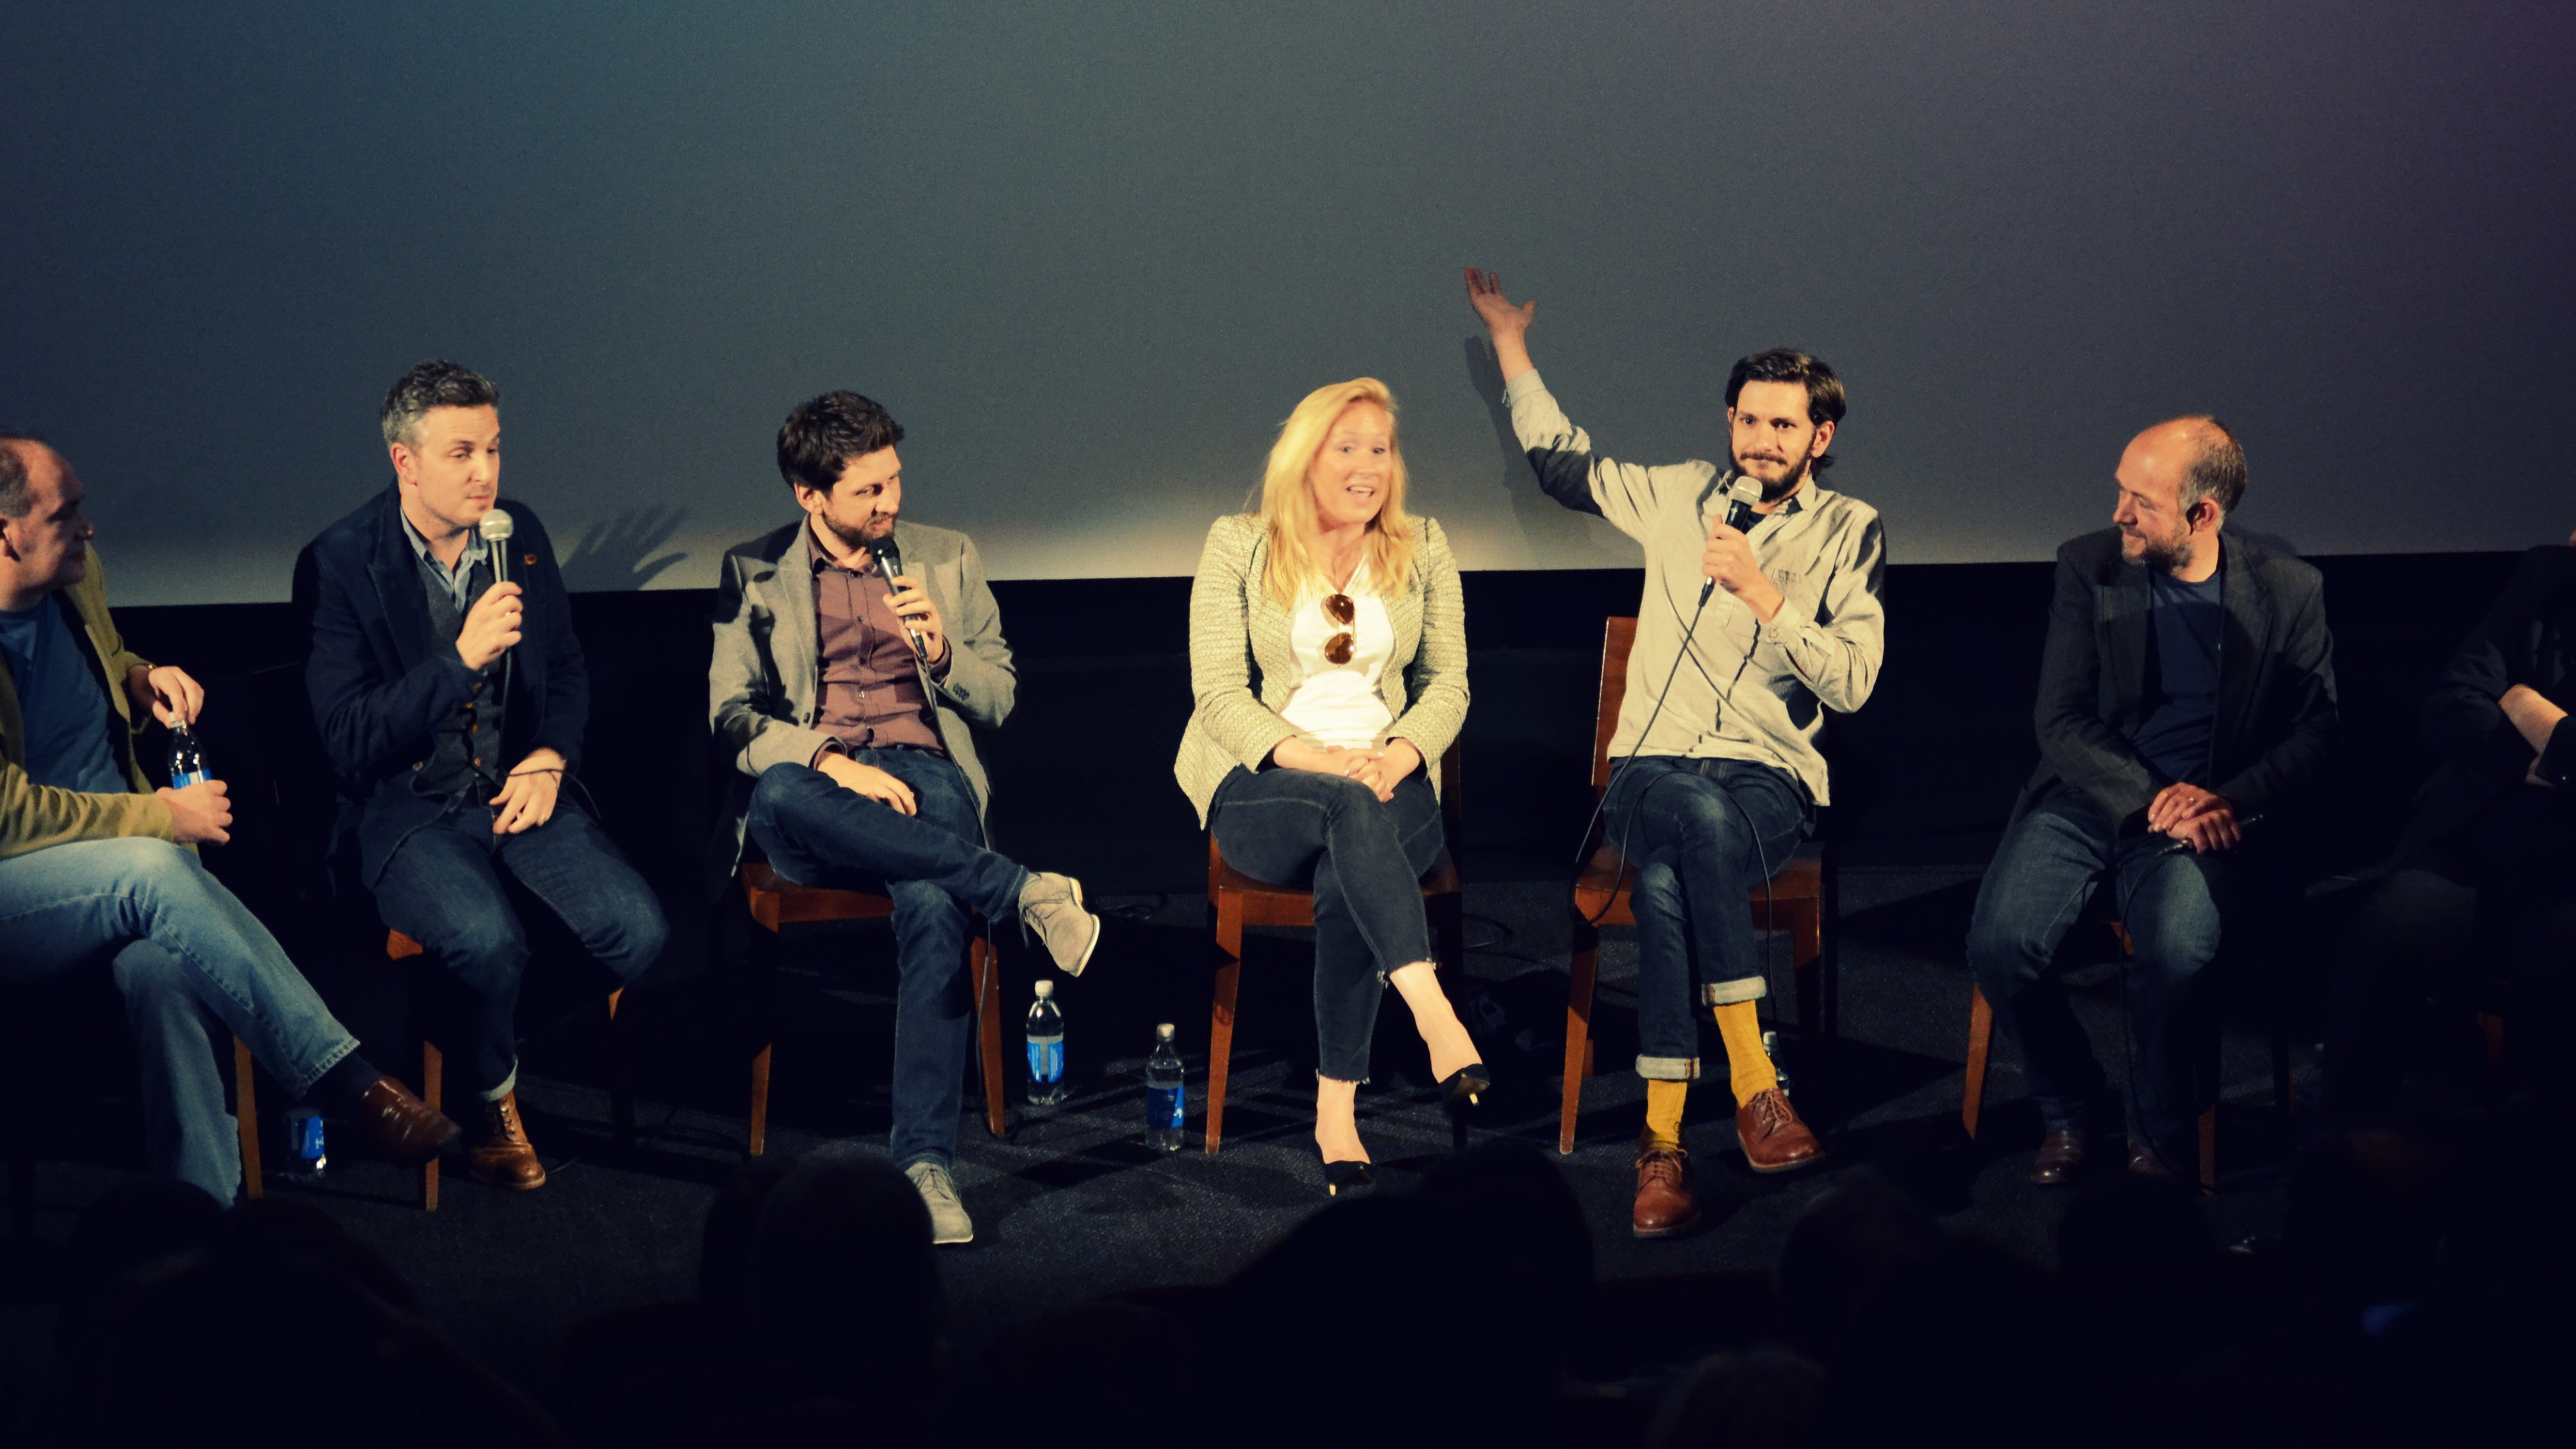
(1506, 324)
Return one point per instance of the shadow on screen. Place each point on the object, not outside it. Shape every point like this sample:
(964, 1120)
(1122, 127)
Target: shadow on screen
(616, 553)
(1557, 536)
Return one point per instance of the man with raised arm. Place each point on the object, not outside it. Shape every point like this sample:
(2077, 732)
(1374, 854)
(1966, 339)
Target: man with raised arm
(844, 691)
(97, 868)
(1745, 636)
(451, 697)
(2188, 684)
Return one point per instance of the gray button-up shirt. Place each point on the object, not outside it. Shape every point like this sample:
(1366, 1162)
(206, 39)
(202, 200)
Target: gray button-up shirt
(456, 579)
(1748, 690)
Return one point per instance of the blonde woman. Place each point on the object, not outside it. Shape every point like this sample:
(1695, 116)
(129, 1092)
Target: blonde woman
(1328, 656)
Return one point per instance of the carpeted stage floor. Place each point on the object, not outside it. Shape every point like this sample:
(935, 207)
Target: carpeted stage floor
(1073, 1204)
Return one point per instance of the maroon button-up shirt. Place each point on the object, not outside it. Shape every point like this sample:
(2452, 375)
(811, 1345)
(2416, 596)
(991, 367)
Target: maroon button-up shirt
(870, 693)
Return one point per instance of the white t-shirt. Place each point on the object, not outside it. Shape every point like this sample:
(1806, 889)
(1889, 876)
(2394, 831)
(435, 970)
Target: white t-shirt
(1337, 705)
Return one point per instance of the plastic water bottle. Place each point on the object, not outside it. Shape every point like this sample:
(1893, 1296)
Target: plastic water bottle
(1166, 1096)
(304, 1139)
(1046, 1049)
(187, 759)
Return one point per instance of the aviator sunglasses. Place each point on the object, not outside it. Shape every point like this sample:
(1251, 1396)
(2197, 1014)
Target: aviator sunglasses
(1340, 609)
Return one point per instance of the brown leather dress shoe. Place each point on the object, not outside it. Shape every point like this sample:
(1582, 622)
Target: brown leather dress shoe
(399, 1127)
(501, 1154)
(1665, 1203)
(1773, 1137)
(2061, 1156)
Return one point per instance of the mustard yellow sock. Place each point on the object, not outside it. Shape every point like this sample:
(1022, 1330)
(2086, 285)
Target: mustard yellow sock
(1664, 1116)
(1748, 1066)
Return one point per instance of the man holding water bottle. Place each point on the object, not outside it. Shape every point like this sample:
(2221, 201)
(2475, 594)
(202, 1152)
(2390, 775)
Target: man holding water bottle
(97, 868)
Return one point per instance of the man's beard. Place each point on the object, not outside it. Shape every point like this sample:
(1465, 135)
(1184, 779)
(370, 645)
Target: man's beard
(2164, 557)
(1774, 492)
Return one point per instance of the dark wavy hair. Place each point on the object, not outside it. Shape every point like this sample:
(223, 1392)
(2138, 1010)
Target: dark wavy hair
(1788, 364)
(825, 433)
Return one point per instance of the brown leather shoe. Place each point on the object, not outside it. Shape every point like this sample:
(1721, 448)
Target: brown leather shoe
(501, 1154)
(1665, 1203)
(2061, 1156)
(1773, 1137)
(393, 1124)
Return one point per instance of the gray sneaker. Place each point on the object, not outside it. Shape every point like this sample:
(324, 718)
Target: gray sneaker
(1051, 908)
(948, 1220)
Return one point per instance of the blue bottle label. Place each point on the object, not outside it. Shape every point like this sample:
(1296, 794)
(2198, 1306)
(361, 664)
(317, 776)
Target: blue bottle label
(307, 1131)
(1164, 1106)
(186, 778)
(1046, 1061)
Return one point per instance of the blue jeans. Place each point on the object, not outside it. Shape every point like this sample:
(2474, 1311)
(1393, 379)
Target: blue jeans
(2050, 864)
(935, 869)
(1703, 834)
(191, 962)
(443, 889)
(1365, 860)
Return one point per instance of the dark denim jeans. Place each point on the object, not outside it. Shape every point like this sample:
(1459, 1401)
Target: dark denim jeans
(1701, 834)
(443, 889)
(2050, 864)
(191, 961)
(934, 867)
(1365, 860)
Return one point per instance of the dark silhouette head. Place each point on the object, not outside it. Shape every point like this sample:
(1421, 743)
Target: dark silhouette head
(842, 1270)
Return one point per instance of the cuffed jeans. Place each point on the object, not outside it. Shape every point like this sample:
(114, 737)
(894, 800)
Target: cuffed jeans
(191, 962)
(443, 889)
(1703, 834)
(934, 867)
(1364, 859)
(2049, 865)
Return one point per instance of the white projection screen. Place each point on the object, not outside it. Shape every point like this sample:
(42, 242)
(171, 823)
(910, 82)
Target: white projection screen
(1091, 254)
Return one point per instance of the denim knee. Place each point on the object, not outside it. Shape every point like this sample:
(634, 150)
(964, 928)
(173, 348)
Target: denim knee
(486, 950)
(2003, 956)
(637, 942)
(144, 860)
(147, 976)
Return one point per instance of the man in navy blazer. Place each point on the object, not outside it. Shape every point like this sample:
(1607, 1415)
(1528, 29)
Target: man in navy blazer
(2188, 684)
(451, 697)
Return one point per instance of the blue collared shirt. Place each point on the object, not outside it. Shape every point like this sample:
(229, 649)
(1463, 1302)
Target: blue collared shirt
(458, 579)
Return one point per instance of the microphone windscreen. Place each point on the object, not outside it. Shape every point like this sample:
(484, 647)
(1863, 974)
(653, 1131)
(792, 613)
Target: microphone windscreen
(496, 525)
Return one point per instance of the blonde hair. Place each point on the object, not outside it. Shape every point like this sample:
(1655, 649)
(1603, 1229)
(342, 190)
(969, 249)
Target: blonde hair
(1288, 504)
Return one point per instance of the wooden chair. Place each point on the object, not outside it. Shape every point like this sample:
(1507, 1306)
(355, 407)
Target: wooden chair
(1241, 901)
(1799, 898)
(433, 1074)
(776, 903)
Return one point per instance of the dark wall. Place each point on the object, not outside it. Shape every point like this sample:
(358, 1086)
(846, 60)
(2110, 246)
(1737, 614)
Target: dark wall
(1082, 774)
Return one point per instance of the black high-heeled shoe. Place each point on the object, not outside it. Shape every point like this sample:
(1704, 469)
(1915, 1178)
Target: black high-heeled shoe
(1459, 1091)
(1339, 1175)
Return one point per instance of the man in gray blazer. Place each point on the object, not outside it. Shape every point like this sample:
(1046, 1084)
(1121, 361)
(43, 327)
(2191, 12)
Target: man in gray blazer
(2188, 684)
(849, 668)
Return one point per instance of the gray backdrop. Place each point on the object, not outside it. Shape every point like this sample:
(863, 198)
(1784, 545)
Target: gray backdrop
(1091, 255)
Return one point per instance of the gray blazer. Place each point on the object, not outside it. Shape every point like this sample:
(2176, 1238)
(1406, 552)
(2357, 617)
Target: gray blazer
(1243, 667)
(762, 687)
(2276, 685)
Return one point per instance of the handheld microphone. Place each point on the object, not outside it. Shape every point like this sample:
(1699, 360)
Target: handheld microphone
(2179, 846)
(890, 563)
(495, 528)
(1741, 495)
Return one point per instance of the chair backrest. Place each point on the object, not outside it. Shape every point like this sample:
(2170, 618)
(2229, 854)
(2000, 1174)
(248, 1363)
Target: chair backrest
(1618, 636)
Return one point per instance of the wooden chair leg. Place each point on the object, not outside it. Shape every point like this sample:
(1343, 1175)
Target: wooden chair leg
(1578, 1028)
(433, 1086)
(988, 1030)
(760, 1100)
(2209, 1150)
(246, 1120)
(1981, 1036)
(1221, 1044)
(621, 1103)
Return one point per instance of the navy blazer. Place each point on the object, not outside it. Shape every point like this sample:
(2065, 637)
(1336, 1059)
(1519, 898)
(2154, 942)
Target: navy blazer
(381, 684)
(2528, 637)
(2276, 686)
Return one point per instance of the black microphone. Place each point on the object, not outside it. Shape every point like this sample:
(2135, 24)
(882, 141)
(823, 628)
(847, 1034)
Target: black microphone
(2179, 846)
(890, 563)
(1741, 495)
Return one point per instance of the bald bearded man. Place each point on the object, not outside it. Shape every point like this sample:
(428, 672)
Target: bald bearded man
(2156, 744)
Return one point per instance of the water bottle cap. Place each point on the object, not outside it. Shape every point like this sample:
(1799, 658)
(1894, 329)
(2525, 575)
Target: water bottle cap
(1046, 989)
(1163, 1030)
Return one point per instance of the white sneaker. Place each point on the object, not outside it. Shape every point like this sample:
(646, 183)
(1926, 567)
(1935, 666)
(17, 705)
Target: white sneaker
(948, 1220)
(1051, 908)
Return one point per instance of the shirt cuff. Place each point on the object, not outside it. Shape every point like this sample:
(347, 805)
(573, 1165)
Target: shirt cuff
(830, 746)
(1522, 386)
(2557, 762)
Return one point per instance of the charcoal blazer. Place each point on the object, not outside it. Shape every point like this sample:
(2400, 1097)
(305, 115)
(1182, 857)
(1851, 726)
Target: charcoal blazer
(2527, 637)
(381, 682)
(2276, 688)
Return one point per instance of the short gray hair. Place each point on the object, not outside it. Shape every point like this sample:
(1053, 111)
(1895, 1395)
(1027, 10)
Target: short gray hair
(436, 383)
(17, 490)
(2219, 470)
